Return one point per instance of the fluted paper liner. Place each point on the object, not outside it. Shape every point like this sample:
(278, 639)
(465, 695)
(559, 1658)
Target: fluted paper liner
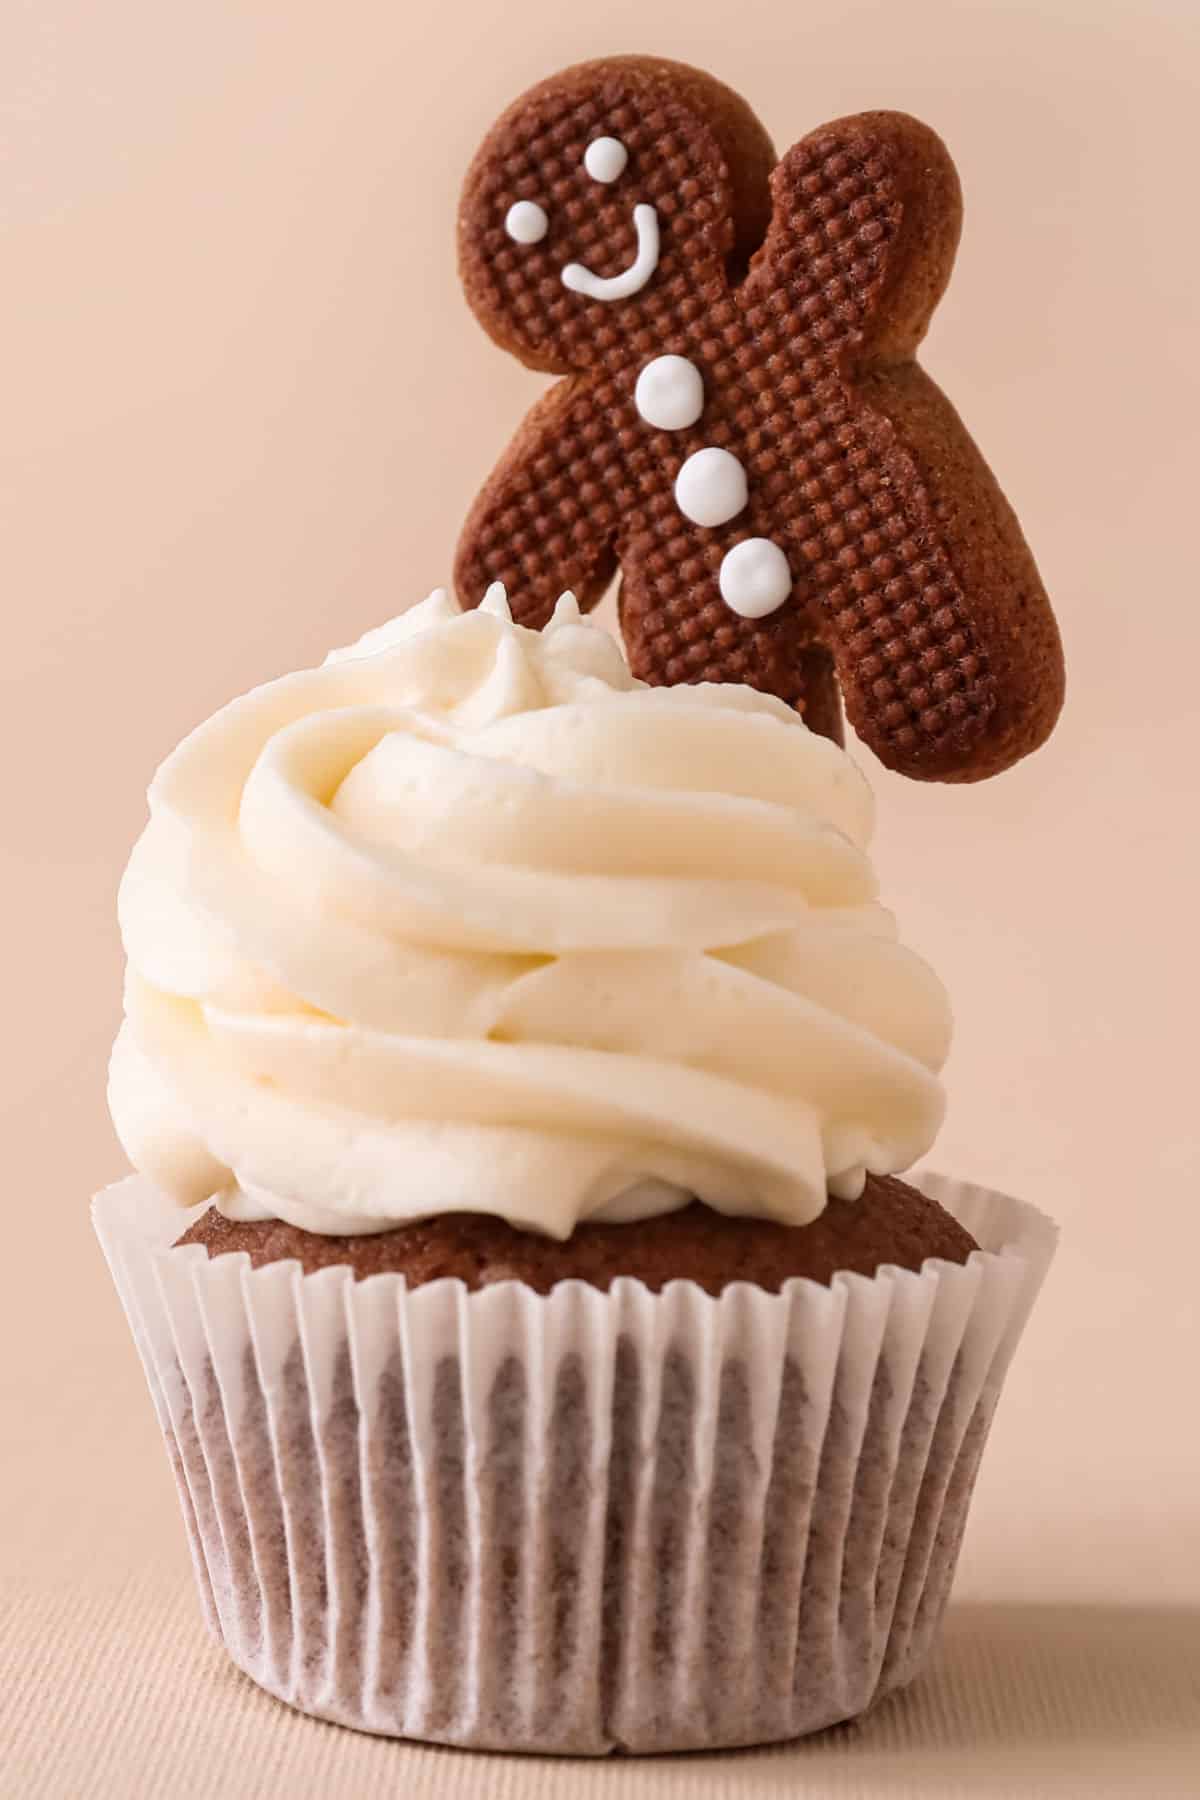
(581, 1521)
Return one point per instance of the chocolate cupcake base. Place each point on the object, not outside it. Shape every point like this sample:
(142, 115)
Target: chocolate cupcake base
(892, 1224)
(582, 1521)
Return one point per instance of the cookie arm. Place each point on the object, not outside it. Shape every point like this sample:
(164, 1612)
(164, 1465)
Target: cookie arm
(866, 214)
(543, 521)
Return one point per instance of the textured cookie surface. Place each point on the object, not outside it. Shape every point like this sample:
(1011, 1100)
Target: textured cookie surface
(850, 535)
(891, 1223)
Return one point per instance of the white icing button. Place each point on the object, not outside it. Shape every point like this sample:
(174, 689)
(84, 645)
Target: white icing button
(605, 158)
(711, 487)
(526, 222)
(670, 393)
(755, 579)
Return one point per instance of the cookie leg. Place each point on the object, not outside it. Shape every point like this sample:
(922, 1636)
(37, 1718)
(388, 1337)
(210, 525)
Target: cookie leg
(822, 706)
(694, 639)
(976, 634)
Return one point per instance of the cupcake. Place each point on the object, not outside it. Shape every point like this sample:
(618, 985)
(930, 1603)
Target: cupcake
(519, 1068)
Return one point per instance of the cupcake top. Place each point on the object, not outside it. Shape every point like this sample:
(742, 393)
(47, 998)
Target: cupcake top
(469, 919)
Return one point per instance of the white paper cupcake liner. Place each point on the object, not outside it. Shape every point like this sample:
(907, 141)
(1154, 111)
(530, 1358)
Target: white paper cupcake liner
(583, 1521)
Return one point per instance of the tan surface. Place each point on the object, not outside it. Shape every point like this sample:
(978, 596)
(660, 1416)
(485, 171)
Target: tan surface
(245, 410)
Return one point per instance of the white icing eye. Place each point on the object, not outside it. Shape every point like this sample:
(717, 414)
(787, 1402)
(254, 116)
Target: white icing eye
(526, 222)
(605, 158)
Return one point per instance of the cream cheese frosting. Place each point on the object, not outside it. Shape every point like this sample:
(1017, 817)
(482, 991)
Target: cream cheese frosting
(470, 919)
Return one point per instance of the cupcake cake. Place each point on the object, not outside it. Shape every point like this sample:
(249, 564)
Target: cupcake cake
(519, 1065)
(551, 1358)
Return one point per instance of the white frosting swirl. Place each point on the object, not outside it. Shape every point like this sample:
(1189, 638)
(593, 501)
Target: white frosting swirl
(469, 919)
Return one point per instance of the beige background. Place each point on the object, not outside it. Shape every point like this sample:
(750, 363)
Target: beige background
(244, 409)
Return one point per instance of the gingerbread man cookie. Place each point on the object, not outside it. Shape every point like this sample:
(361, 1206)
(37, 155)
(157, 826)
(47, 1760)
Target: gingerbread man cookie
(742, 429)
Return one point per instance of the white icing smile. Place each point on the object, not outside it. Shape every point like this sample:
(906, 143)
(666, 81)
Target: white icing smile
(632, 280)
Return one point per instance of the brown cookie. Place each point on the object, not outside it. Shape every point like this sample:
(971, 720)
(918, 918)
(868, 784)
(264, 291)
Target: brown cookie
(790, 495)
(892, 1223)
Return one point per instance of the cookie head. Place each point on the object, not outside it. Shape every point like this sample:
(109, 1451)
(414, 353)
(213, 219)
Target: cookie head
(601, 200)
